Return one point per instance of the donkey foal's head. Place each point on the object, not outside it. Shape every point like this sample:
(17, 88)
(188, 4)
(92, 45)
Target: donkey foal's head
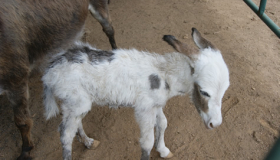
(210, 74)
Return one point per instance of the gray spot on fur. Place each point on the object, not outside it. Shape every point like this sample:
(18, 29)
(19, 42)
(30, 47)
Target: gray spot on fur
(155, 81)
(100, 56)
(192, 70)
(158, 129)
(95, 56)
(167, 87)
(75, 55)
(55, 62)
(61, 127)
(145, 155)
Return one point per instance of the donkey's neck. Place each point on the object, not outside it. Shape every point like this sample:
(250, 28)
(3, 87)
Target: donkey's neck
(178, 73)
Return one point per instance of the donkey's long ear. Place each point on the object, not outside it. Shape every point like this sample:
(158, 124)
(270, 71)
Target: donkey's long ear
(179, 46)
(201, 42)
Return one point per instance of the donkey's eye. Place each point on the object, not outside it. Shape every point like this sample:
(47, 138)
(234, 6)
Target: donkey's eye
(204, 93)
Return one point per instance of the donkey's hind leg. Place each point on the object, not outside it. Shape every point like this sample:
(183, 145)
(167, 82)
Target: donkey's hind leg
(71, 122)
(146, 119)
(88, 142)
(73, 109)
(68, 129)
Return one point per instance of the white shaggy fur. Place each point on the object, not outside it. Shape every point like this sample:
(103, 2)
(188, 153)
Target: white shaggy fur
(124, 81)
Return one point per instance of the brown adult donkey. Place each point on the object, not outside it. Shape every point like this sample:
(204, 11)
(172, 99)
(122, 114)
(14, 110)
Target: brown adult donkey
(30, 29)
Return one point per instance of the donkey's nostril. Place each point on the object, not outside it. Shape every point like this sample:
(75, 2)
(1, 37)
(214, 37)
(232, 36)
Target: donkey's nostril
(211, 125)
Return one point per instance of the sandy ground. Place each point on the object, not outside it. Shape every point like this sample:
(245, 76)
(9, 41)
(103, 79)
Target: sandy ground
(251, 105)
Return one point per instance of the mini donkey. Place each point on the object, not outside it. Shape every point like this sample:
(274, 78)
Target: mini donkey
(84, 75)
(28, 31)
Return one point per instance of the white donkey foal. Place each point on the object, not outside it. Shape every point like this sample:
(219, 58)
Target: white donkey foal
(84, 75)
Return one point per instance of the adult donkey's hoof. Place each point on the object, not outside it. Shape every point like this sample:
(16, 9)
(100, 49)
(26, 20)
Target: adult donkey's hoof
(24, 156)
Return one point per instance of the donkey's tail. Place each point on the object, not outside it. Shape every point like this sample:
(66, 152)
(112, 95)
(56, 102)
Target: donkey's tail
(50, 104)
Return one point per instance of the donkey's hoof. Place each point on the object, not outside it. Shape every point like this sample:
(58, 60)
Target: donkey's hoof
(95, 144)
(24, 156)
(170, 155)
(88, 143)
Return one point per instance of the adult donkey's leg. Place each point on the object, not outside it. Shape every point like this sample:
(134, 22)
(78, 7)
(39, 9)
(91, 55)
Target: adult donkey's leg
(18, 97)
(99, 10)
(14, 75)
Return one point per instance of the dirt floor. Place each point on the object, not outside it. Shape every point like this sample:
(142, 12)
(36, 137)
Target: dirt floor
(251, 105)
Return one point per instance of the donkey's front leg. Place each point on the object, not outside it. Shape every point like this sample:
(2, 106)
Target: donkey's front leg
(161, 124)
(18, 96)
(146, 120)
